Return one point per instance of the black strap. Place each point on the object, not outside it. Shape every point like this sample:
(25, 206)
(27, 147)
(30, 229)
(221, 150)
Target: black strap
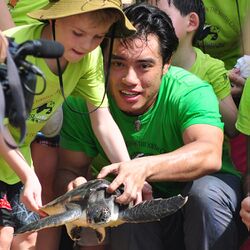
(18, 100)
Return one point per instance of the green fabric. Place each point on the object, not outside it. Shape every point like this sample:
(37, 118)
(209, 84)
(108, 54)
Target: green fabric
(19, 12)
(243, 121)
(84, 79)
(224, 40)
(213, 71)
(183, 100)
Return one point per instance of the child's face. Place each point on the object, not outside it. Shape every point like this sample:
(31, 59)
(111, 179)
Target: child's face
(179, 22)
(80, 34)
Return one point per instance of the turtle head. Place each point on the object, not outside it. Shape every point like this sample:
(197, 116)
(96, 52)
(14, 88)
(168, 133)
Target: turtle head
(101, 207)
(98, 214)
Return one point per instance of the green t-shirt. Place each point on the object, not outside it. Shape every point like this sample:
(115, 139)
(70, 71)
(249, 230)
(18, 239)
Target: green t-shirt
(84, 78)
(213, 71)
(22, 7)
(243, 121)
(183, 100)
(223, 42)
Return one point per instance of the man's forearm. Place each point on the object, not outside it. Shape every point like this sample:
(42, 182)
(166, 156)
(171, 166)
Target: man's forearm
(187, 163)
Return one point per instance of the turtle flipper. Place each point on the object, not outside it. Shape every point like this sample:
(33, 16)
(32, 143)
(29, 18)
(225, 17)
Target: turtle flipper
(75, 232)
(51, 221)
(100, 234)
(153, 210)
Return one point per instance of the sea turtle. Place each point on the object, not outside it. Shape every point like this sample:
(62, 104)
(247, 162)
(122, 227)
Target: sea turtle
(89, 205)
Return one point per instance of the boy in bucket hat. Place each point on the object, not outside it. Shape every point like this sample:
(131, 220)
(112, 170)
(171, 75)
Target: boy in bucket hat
(80, 26)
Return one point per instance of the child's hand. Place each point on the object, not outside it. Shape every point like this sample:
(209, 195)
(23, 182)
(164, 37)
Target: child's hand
(237, 82)
(245, 211)
(76, 182)
(31, 195)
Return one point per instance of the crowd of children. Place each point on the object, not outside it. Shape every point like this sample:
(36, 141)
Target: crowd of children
(81, 26)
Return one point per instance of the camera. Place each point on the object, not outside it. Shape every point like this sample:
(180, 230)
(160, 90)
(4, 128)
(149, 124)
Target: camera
(18, 79)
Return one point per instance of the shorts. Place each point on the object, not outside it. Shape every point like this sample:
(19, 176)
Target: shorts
(48, 141)
(13, 213)
(89, 238)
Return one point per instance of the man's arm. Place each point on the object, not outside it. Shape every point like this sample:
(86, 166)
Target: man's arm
(72, 164)
(200, 155)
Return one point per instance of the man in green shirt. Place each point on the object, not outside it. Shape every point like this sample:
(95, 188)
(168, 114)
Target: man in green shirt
(171, 124)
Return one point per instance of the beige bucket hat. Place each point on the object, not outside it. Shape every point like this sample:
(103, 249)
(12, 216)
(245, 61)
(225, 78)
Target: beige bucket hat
(63, 8)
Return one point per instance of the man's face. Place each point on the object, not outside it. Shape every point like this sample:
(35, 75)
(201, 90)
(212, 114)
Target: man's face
(135, 74)
(80, 34)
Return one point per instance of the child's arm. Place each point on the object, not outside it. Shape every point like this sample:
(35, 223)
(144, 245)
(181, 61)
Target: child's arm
(31, 195)
(6, 21)
(108, 134)
(3, 47)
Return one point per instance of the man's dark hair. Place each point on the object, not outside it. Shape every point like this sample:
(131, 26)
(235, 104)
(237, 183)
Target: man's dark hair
(148, 20)
(187, 6)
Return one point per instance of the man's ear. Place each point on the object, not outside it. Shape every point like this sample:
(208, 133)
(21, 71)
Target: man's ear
(166, 66)
(193, 22)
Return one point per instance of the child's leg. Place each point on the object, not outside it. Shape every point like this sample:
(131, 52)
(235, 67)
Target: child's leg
(45, 158)
(6, 236)
(24, 241)
(21, 217)
(49, 239)
(44, 153)
(6, 222)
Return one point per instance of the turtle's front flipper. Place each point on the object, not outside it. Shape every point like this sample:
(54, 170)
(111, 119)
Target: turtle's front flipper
(51, 221)
(153, 210)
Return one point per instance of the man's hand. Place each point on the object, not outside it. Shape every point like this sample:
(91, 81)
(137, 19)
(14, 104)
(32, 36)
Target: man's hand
(145, 194)
(131, 174)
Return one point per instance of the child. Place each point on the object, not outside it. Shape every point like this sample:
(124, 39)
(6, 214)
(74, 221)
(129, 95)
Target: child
(188, 18)
(80, 27)
(243, 125)
(226, 23)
